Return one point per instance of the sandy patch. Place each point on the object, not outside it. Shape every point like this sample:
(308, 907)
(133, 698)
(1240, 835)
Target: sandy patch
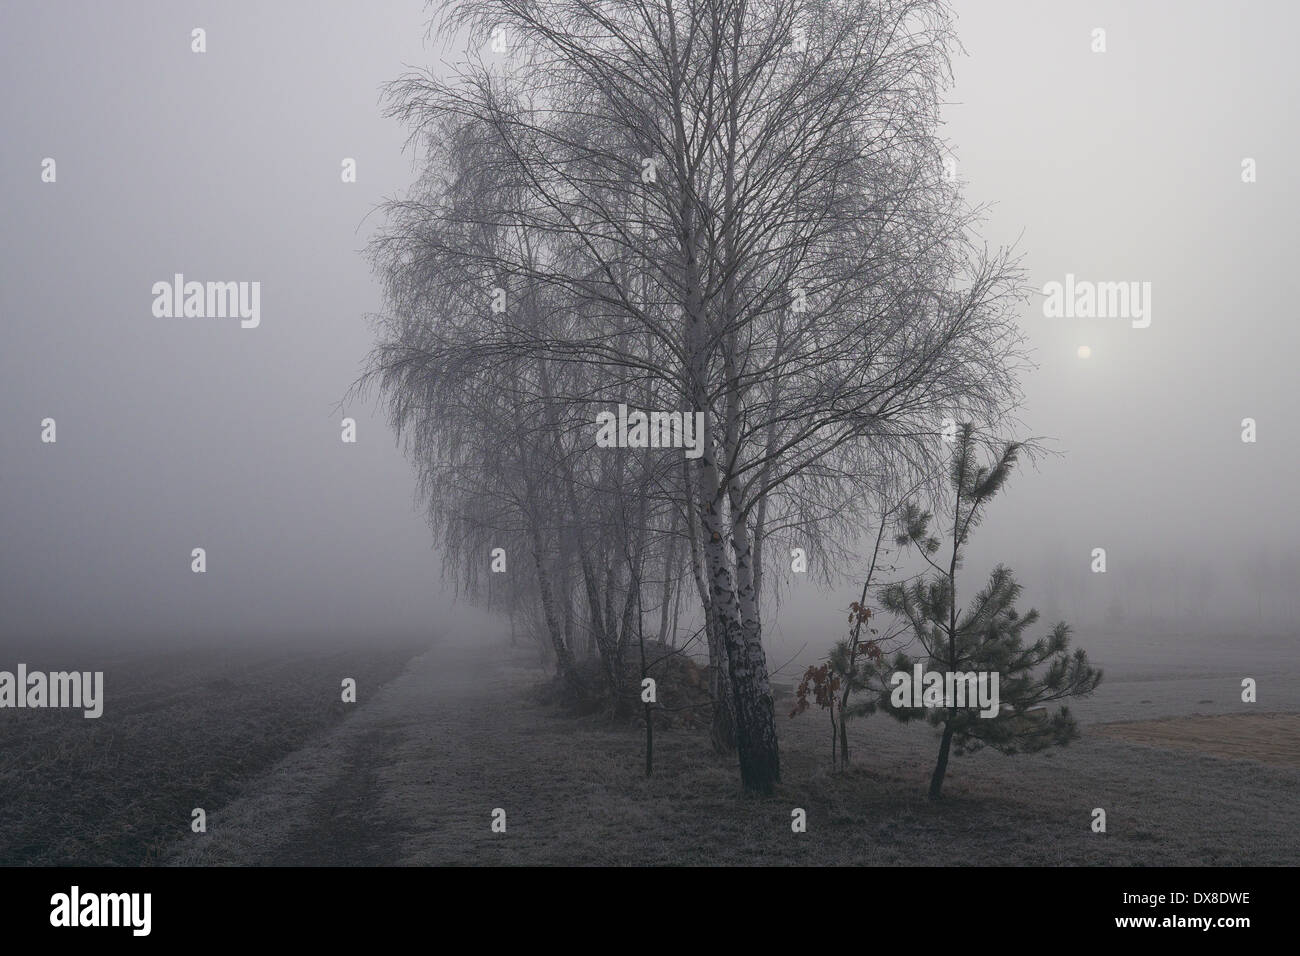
(1269, 738)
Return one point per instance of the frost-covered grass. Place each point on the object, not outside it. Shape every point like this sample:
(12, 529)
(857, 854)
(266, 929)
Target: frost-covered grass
(180, 729)
(413, 777)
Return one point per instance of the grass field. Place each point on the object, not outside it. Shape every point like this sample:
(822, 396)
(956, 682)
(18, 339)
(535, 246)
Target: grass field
(413, 778)
(443, 735)
(180, 730)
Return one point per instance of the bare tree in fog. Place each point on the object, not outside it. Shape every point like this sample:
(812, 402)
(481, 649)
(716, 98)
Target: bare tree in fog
(730, 207)
(502, 458)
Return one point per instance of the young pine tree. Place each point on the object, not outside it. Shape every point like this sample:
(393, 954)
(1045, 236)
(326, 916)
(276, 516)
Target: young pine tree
(988, 636)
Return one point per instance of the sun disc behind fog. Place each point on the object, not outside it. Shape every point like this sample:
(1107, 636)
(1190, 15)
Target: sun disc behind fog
(1084, 351)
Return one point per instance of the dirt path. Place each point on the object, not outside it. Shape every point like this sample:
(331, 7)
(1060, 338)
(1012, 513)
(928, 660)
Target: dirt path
(382, 786)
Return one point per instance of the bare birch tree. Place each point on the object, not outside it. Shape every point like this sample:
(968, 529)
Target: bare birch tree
(728, 207)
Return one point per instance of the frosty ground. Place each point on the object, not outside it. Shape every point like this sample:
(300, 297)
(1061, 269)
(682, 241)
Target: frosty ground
(412, 775)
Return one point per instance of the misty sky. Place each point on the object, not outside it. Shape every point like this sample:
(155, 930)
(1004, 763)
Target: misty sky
(183, 433)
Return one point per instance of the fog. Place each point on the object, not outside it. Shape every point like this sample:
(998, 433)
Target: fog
(175, 434)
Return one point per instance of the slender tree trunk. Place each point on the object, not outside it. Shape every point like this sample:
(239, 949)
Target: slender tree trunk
(936, 780)
(566, 591)
(755, 720)
(750, 677)
(670, 561)
(760, 513)
(722, 732)
(677, 607)
(854, 640)
(835, 730)
(563, 656)
(608, 643)
(649, 713)
(631, 611)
